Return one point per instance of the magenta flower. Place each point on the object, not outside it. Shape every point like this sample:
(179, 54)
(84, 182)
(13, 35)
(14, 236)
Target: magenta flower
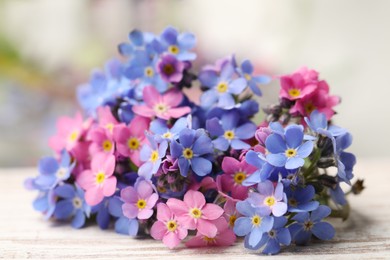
(161, 106)
(98, 182)
(270, 198)
(170, 69)
(102, 141)
(224, 236)
(167, 227)
(299, 84)
(139, 200)
(194, 213)
(129, 139)
(318, 100)
(107, 120)
(231, 214)
(69, 131)
(235, 172)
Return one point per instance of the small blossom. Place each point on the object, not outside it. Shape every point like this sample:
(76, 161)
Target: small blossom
(170, 69)
(224, 236)
(152, 155)
(72, 205)
(102, 141)
(235, 172)
(161, 128)
(99, 181)
(194, 213)
(246, 71)
(253, 224)
(288, 152)
(161, 106)
(300, 199)
(310, 223)
(167, 227)
(270, 198)
(229, 132)
(139, 200)
(130, 138)
(299, 84)
(192, 151)
(230, 212)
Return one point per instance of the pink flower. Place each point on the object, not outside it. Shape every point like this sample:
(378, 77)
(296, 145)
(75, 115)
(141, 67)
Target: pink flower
(161, 106)
(107, 120)
(299, 84)
(318, 100)
(69, 131)
(102, 141)
(235, 172)
(194, 213)
(231, 214)
(130, 138)
(99, 181)
(167, 227)
(139, 200)
(224, 236)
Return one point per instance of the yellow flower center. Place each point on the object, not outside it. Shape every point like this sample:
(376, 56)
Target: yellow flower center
(77, 202)
(100, 177)
(269, 201)
(167, 135)
(232, 220)
(222, 87)
(141, 204)
(195, 213)
(239, 177)
(171, 225)
(290, 152)
(110, 127)
(107, 145)
(308, 225)
(294, 92)
(168, 69)
(229, 135)
(73, 136)
(309, 107)
(149, 72)
(247, 77)
(188, 153)
(133, 143)
(160, 108)
(174, 49)
(209, 240)
(256, 220)
(154, 156)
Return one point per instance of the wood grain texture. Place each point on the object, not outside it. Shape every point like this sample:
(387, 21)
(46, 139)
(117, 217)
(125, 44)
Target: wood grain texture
(25, 234)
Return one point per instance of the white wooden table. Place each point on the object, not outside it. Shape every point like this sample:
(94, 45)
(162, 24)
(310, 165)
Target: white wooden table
(25, 234)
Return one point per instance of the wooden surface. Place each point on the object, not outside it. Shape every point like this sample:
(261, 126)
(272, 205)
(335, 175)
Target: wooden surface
(25, 234)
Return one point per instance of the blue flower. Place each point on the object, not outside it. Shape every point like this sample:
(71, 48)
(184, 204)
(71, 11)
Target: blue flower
(300, 199)
(159, 127)
(222, 87)
(288, 151)
(345, 161)
(138, 40)
(264, 169)
(176, 44)
(310, 223)
(45, 203)
(152, 155)
(72, 205)
(253, 224)
(104, 87)
(246, 71)
(52, 172)
(193, 151)
(276, 236)
(319, 124)
(105, 210)
(123, 225)
(229, 132)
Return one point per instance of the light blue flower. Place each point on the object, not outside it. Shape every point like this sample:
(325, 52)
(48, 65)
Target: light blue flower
(253, 81)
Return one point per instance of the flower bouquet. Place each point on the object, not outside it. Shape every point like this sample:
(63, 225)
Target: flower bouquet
(146, 158)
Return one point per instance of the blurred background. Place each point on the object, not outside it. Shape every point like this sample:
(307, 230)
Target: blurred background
(48, 48)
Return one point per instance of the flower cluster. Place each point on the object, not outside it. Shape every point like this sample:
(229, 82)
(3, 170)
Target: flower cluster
(146, 158)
